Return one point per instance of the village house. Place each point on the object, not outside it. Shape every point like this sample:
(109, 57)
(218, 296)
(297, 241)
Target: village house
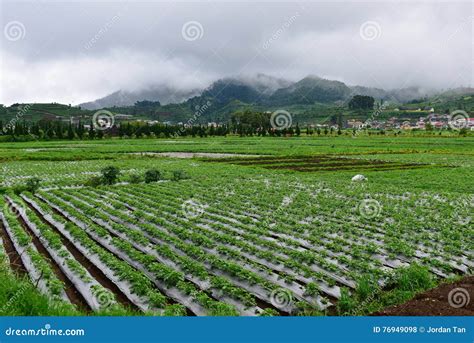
(354, 124)
(429, 109)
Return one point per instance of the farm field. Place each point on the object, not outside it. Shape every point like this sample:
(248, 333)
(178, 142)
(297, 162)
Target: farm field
(277, 229)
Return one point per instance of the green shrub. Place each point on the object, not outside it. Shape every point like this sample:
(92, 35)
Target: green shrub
(32, 184)
(152, 175)
(110, 175)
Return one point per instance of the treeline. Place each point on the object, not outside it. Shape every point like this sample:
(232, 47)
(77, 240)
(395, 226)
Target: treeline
(134, 129)
(248, 124)
(52, 130)
(45, 130)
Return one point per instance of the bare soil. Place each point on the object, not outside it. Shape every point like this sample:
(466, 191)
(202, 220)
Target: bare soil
(435, 302)
(319, 163)
(16, 263)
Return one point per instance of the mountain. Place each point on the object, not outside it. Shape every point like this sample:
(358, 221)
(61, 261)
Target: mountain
(309, 90)
(259, 89)
(307, 98)
(226, 90)
(310, 100)
(247, 89)
(121, 98)
(243, 88)
(269, 91)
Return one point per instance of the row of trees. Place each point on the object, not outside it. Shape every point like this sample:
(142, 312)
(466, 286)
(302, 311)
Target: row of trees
(139, 129)
(59, 130)
(49, 130)
(249, 123)
(46, 130)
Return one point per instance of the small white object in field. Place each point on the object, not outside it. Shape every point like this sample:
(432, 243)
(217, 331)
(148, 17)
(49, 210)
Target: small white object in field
(359, 178)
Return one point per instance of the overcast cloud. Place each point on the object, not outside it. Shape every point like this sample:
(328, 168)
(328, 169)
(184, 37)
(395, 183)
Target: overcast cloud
(81, 51)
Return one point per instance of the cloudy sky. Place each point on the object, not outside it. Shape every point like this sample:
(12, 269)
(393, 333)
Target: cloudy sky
(80, 51)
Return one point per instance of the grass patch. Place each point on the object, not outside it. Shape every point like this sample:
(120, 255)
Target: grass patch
(401, 286)
(19, 297)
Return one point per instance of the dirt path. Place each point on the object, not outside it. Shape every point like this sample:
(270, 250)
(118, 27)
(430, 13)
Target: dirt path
(436, 302)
